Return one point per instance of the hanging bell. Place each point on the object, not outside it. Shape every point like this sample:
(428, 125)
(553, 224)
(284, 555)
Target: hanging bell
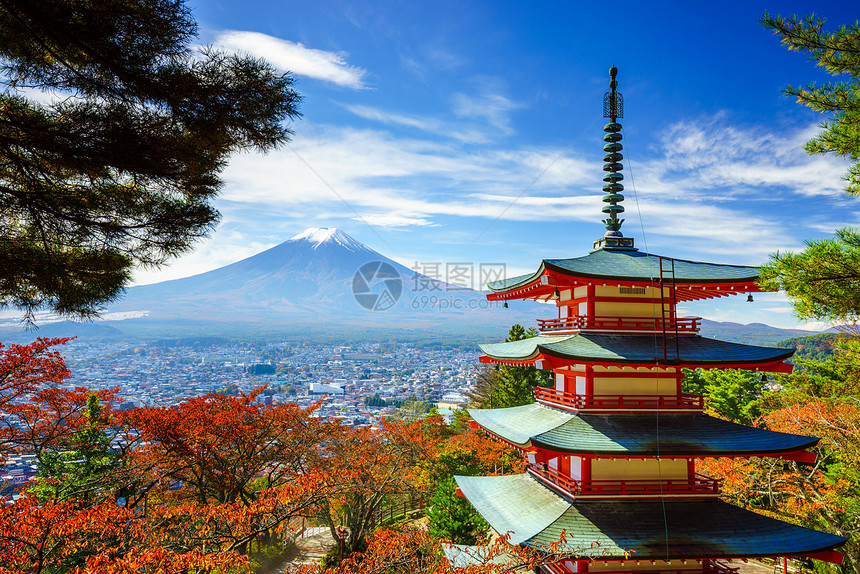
(505, 305)
(749, 298)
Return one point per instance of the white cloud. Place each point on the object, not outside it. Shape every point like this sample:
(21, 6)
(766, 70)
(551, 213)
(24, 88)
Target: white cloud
(706, 192)
(408, 181)
(370, 113)
(14, 318)
(816, 325)
(492, 108)
(463, 133)
(394, 220)
(294, 57)
(123, 315)
(45, 97)
(399, 182)
(711, 154)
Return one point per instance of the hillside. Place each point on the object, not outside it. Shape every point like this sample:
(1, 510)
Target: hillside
(751, 334)
(814, 347)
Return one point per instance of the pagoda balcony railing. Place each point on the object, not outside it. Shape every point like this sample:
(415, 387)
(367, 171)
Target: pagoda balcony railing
(564, 399)
(700, 485)
(712, 568)
(584, 322)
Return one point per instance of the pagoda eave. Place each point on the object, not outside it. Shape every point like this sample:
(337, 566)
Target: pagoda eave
(692, 351)
(527, 362)
(692, 435)
(692, 280)
(545, 286)
(546, 361)
(552, 448)
(535, 515)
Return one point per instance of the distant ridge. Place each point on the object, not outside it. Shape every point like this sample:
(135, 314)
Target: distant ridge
(751, 334)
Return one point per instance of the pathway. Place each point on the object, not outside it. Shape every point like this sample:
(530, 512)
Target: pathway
(308, 550)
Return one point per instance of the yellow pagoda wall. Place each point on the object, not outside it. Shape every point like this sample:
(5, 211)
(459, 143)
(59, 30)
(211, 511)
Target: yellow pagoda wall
(646, 294)
(617, 380)
(637, 302)
(614, 309)
(639, 469)
(635, 386)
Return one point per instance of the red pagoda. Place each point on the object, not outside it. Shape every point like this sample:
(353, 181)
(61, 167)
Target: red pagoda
(612, 447)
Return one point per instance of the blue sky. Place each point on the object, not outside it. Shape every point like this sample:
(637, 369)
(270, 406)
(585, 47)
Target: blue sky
(472, 132)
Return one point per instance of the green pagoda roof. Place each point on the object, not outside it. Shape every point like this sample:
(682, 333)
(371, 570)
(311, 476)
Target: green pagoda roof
(639, 349)
(626, 434)
(631, 265)
(704, 528)
(463, 556)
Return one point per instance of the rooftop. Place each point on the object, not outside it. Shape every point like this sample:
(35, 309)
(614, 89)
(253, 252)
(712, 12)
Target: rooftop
(643, 434)
(693, 350)
(630, 265)
(705, 528)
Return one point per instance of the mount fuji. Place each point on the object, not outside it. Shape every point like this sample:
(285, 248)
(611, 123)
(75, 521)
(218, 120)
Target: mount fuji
(321, 280)
(324, 284)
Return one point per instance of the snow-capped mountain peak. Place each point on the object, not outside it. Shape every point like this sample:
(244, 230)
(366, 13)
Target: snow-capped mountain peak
(317, 236)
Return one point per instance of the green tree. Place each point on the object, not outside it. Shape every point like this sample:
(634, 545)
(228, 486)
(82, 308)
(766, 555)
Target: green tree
(835, 377)
(121, 168)
(76, 467)
(374, 401)
(823, 280)
(838, 52)
(452, 518)
(813, 347)
(732, 394)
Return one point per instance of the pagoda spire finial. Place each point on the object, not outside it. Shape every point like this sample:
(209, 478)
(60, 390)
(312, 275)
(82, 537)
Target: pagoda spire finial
(613, 108)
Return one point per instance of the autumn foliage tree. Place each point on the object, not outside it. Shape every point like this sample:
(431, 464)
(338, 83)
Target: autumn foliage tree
(66, 429)
(413, 550)
(25, 370)
(186, 487)
(198, 485)
(372, 466)
(222, 448)
(72, 518)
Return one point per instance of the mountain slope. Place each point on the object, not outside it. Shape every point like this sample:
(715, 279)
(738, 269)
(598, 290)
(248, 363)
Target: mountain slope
(311, 280)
